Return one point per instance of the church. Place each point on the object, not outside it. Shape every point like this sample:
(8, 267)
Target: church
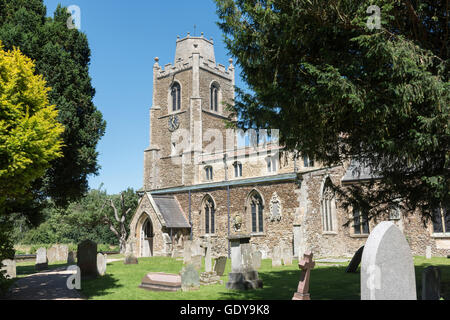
(200, 183)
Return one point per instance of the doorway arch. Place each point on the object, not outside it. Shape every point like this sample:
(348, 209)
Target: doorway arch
(146, 237)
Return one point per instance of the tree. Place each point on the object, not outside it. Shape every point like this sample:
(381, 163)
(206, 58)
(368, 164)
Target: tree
(30, 135)
(120, 225)
(339, 91)
(62, 55)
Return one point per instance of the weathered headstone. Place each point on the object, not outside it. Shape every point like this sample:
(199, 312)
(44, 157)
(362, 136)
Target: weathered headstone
(428, 252)
(41, 259)
(9, 268)
(242, 275)
(196, 249)
(356, 260)
(387, 266)
(52, 254)
(167, 244)
(101, 264)
(276, 256)
(190, 279)
(130, 258)
(187, 252)
(256, 259)
(219, 265)
(71, 258)
(62, 252)
(431, 283)
(197, 262)
(287, 256)
(306, 264)
(87, 258)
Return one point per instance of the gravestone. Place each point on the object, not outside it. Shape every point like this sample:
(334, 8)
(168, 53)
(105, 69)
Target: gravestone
(101, 264)
(167, 245)
(428, 252)
(219, 265)
(276, 256)
(9, 268)
(190, 279)
(87, 258)
(161, 282)
(356, 260)
(256, 259)
(431, 283)
(242, 276)
(62, 252)
(187, 252)
(71, 257)
(196, 248)
(387, 267)
(41, 259)
(197, 262)
(130, 258)
(287, 256)
(52, 254)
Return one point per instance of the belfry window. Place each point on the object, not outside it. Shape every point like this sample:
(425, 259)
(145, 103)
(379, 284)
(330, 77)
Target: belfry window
(175, 93)
(237, 169)
(209, 173)
(214, 97)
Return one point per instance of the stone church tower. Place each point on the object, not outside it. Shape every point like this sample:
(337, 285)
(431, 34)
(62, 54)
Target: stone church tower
(189, 98)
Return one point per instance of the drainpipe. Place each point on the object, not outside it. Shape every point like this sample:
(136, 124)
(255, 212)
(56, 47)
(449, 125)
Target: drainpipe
(190, 219)
(228, 207)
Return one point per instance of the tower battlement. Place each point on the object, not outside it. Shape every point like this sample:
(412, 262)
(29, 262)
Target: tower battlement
(185, 49)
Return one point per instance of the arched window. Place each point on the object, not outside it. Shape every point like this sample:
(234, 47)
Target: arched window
(208, 173)
(237, 169)
(441, 220)
(328, 206)
(214, 97)
(210, 212)
(360, 221)
(256, 211)
(175, 93)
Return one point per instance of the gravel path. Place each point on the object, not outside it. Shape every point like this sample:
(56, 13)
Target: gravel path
(47, 285)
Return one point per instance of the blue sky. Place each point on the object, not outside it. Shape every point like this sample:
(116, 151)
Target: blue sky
(124, 37)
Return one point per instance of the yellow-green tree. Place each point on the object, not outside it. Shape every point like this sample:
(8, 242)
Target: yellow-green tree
(30, 135)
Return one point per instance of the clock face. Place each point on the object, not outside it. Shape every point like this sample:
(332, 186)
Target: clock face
(174, 123)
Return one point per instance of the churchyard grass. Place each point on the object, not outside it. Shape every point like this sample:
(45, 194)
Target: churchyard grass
(328, 282)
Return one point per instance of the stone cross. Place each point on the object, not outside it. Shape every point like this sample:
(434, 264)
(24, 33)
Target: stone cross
(208, 265)
(306, 264)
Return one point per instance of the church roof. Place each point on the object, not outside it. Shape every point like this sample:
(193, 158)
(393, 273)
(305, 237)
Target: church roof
(357, 171)
(171, 212)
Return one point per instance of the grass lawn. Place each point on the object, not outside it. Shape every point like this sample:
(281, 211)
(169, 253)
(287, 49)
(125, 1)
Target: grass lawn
(328, 282)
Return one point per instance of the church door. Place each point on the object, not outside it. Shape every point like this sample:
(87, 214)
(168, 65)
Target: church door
(147, 239)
